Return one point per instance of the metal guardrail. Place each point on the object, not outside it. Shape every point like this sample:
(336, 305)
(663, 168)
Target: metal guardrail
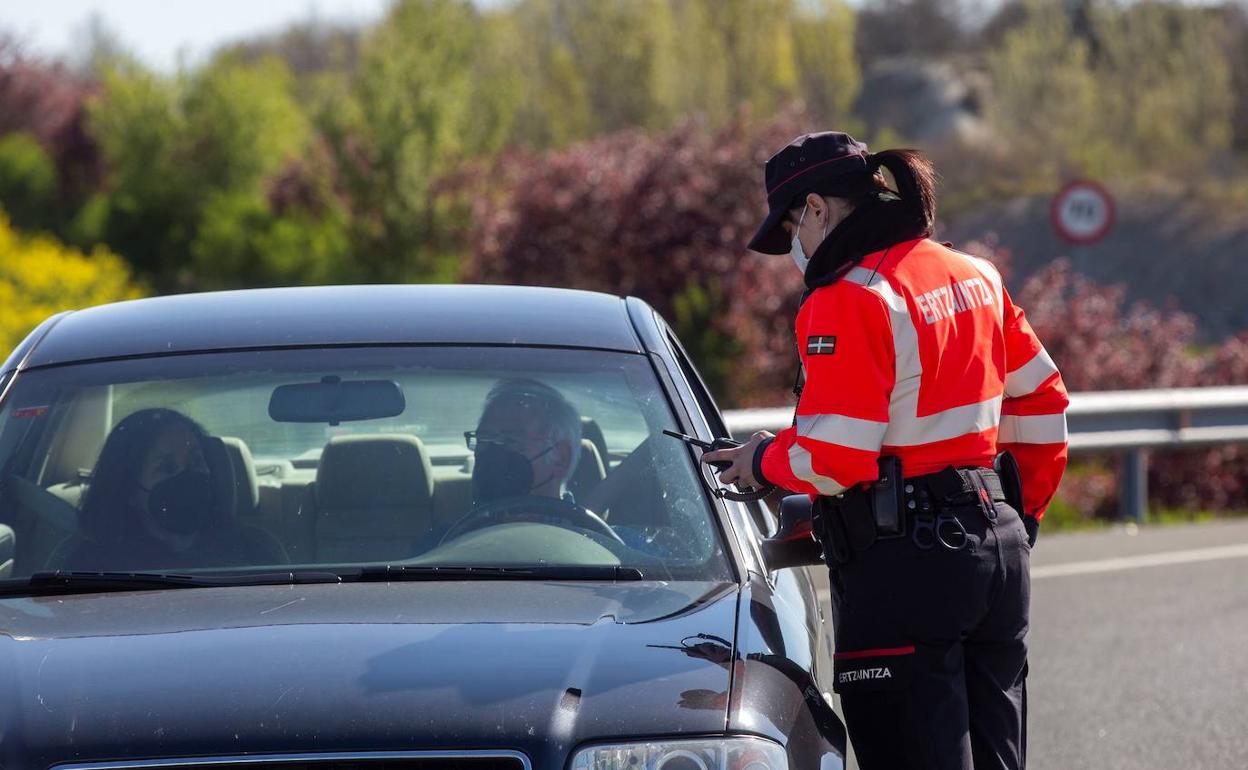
(1127, 421)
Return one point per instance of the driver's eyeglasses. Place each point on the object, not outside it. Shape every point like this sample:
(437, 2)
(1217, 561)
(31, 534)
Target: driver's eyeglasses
(474, 438)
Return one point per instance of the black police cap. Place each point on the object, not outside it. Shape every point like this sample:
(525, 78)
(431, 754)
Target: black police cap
(827, 163)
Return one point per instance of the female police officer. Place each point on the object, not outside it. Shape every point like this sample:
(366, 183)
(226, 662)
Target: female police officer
(913, 355)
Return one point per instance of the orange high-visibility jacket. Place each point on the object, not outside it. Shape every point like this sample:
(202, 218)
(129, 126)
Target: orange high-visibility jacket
(918, 352)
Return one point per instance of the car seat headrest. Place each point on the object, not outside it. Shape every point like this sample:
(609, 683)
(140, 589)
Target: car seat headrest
(246, 485)
(221, 471)
(374, 471)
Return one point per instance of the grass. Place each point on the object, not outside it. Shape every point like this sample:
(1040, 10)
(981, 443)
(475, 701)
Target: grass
(1090, 486)
(1165, 516)
(1063, 517)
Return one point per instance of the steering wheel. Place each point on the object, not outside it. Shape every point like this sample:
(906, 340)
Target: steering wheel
(623, 478)
(519, 507)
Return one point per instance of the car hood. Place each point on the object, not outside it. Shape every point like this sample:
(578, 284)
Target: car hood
(533, 666)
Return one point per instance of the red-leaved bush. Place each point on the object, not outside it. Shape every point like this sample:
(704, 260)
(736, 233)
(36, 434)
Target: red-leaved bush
(48, 102)
(664, 217)
(1101, 343)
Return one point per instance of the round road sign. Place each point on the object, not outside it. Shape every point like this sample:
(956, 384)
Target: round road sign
(1082, 212)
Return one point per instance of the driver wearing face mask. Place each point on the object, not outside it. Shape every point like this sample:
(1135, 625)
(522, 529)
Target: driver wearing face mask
(527, 442)
(526, 448)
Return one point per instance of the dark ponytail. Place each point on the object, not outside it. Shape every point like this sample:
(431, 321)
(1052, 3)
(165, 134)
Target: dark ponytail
(916, 183)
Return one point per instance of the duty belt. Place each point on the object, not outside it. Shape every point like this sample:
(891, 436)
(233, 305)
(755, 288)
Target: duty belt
(929, 501)
(850, 522)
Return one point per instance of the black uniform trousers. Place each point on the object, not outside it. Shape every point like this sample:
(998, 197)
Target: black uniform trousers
(931, 650)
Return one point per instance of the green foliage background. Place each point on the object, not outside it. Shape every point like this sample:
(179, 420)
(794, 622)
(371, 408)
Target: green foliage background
(322, 154)
(338, 154)
(457, 141)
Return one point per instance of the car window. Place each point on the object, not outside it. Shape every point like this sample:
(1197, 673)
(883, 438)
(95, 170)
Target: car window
(763, 520)
(698, 387)
(489, 456)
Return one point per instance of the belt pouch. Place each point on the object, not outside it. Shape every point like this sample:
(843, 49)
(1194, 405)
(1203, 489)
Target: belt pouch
(949, 487)
(1011, 480)
(833, 535)
(856, 512)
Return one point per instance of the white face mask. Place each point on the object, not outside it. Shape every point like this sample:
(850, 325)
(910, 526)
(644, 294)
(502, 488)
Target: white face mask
(795, 248)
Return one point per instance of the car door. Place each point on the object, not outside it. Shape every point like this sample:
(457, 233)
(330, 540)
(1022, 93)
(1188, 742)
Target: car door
(796, 591)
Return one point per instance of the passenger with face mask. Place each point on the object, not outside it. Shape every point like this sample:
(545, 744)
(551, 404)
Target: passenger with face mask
(152, 504)
(918, 371)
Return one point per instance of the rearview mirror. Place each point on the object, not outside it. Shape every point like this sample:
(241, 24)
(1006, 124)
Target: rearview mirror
(794, 543)
(333, 401)
(8, 546)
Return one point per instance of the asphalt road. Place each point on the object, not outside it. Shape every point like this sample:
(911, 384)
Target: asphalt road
(1139, 649)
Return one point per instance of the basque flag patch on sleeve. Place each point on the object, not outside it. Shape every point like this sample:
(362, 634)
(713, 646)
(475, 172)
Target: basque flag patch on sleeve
(816, 346)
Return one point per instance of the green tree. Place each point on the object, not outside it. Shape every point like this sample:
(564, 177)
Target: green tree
(243, 242)
(1235, 23)
(539, 72)
(420, 113)
(588, 67)
(622, 52)
(1046, 95)
(148, 208)
(27, 181)
(1164, 79)
(765, 54)
(1102, 88)
(243, 123)
(703, 82)
(828, 73)
(758, 45)
(173, 144)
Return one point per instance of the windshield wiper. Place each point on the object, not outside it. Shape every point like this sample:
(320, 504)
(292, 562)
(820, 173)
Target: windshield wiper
(399, 572)
(68, 582)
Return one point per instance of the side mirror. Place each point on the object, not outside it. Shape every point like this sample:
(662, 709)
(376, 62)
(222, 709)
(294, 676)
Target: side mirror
(794, 543)
(8, 546)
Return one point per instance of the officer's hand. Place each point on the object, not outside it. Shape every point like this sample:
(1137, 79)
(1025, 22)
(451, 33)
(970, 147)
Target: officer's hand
(741, 472)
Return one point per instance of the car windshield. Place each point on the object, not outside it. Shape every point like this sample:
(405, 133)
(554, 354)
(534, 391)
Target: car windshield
(329, 459)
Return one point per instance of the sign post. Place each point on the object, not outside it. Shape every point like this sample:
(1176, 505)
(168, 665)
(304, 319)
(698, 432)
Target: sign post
(1083, 213)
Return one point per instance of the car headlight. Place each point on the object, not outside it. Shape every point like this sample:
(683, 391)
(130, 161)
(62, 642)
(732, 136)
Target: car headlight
(701, 754)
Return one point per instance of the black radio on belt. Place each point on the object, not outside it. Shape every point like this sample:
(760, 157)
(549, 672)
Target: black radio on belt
(851, 522)
(887, 499)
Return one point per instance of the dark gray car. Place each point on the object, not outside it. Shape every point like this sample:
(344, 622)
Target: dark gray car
(243, 529)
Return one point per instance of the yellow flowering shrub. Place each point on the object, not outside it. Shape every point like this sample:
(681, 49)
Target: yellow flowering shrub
(40, 276)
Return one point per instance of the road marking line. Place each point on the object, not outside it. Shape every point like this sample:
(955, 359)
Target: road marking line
(1189, 556)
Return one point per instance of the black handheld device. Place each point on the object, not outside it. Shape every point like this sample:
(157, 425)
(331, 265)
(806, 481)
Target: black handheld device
(706, 446)
(888, 499)
(745, 495)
